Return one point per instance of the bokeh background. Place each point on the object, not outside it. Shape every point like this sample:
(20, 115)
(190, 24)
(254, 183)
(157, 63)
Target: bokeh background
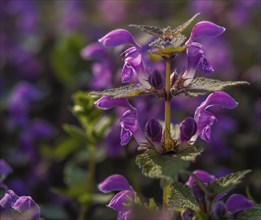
(42, 66)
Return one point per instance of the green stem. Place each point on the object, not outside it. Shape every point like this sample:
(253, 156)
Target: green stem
(168, 141)
(89, 180)
(166, 192)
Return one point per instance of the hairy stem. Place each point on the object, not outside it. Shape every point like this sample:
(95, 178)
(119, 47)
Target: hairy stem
(166, 192)
(168, 145)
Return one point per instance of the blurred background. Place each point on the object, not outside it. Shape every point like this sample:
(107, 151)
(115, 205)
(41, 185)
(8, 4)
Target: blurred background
(42, 66)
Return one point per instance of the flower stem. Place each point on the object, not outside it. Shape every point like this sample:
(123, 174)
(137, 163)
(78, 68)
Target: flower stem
(168, 141)
(166, 192)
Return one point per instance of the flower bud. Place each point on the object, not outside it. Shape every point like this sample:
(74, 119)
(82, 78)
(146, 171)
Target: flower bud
(156, 80)
(198, 193)
(188, 128)
(219, 210)
(186, 215)
(154, 130)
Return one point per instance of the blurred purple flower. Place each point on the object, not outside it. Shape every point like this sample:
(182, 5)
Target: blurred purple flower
(106, 8)
(124, 199)
(20, 100)
(154, 130)
(5, 170)
(101, 69)
(196, 57)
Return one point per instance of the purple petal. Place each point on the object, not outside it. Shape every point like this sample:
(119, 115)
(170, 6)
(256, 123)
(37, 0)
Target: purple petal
(125, 136)
(218, 98)
(219, 210)
(129, 121)
(93, 51)
(27, 206)
(188, 128)
(5, 170)
(205, 29)
(122, 201)
(237, 203)
(204, 123)
(127, 73)
(204, 176)
(116, 38)
(8, 199)
(156, 80)
(205, 66)
(114, 183)
(107, 102)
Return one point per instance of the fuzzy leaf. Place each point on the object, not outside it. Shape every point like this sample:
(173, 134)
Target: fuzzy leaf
(121, 92)
(169, 50)
(183, 26)
(155, 31)
(155, 165)
(201, 86)
(190, 153)
(251, 214)
(181, 197)
(228, 182)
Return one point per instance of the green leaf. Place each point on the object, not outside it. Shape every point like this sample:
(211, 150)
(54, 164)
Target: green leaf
(181, 197)
(251, 214)
(155, 31)
(96, 198)
(228, 182)
(75, 131)
(75, 178)
(183, 26)
(190, 153)
(202, 86)
(159, 166)
(122, 92)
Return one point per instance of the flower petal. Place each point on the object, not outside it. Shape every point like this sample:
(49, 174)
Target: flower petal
(237, 203)
(204, 176)
(106, 102)
(93, 51)
(27, 206)
(127, 73)
(8, 199)
(205, 29)
(122, 201)
(114, 182)
(116, 38)
(125, 136)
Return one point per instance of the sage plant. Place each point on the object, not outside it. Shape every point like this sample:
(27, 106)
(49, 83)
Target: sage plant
(166, 149)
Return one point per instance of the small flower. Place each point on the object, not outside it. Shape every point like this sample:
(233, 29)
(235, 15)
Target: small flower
(203, 118)
(124, 199)
(219, 210)
(132, 56)
(196, 57)
(129, 120)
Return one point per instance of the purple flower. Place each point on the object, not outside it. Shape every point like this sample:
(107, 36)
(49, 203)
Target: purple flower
(196, 57)
(205, 178)
(124, 199)
(132, 56)
(129, 120)
(101, 68)
(219, 210)
(20, 100)
(24, 206)
(237, 203)
(156, 80)
(203, 118)
(188, 128)
(5, 170)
